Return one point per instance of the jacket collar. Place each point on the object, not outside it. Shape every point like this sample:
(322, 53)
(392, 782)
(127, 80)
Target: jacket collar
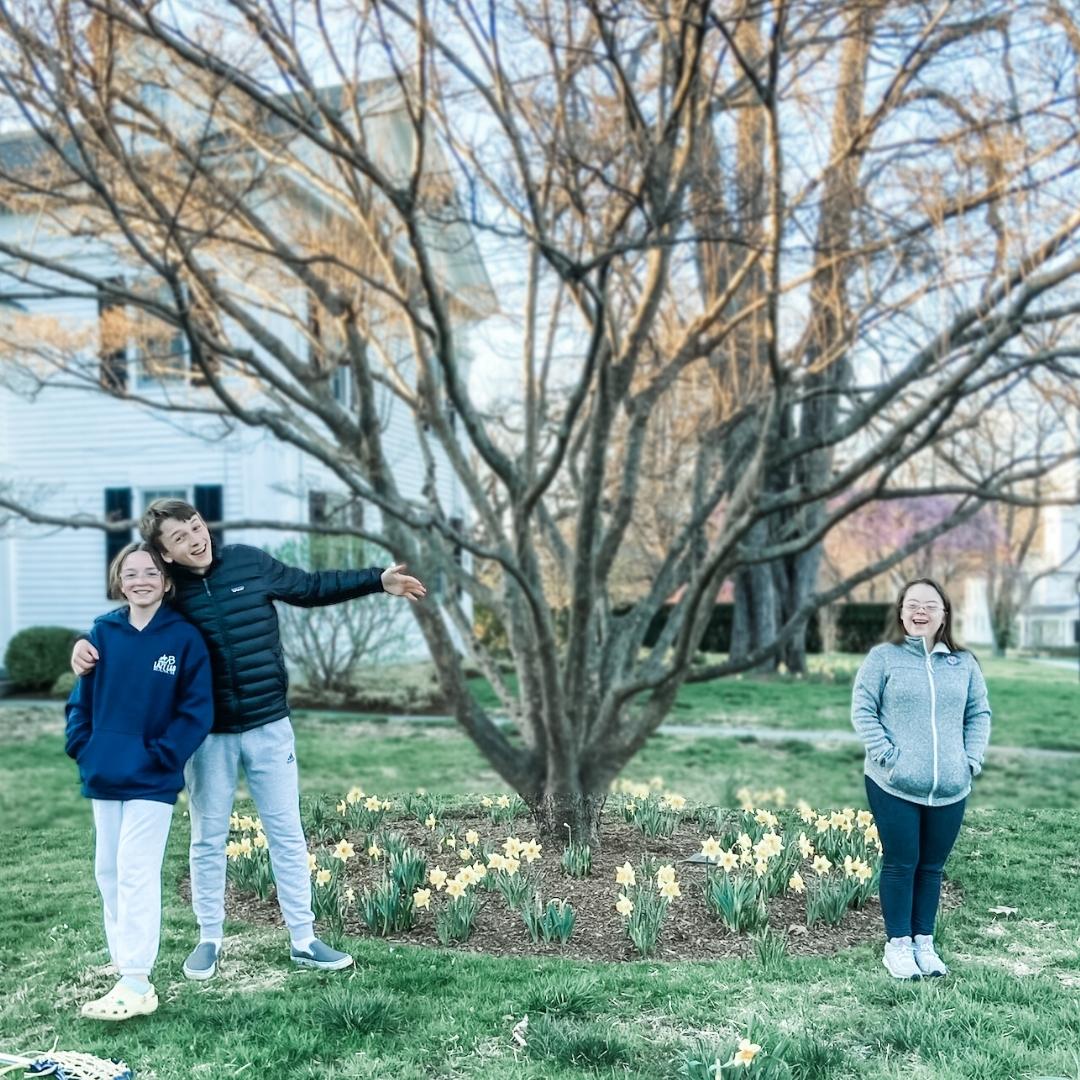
(918, 645)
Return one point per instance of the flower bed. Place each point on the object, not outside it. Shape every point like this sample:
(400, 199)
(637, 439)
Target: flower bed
(770, 881)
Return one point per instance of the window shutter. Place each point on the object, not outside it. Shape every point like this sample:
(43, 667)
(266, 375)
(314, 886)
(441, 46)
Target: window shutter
(113, 364)
(117, 508)
(210, 502)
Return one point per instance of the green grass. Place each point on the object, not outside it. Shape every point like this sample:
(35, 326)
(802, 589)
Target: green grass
(1010, 1009)
(1034, 704)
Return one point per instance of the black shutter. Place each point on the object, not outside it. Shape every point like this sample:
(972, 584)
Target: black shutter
(112, 372)
(117, 508)
(209, 501)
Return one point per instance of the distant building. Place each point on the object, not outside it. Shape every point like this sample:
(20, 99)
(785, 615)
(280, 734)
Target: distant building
(68, 450)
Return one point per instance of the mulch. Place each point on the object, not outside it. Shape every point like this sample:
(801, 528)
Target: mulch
(689, 931)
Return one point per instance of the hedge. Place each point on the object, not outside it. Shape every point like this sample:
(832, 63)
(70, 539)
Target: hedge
(37, 656)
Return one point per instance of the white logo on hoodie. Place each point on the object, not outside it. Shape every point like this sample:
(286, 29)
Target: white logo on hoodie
(165, 664)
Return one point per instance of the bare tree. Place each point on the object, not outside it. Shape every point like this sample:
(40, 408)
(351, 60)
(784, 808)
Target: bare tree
(759, 255)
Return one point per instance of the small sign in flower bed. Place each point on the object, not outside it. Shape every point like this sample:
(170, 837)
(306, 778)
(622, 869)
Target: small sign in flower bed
(671, 881)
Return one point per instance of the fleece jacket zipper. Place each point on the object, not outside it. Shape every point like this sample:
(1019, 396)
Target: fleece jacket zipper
(933, 719)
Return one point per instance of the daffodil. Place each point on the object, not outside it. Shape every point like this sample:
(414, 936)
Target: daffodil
(806, 813)
(665, 874)
(849, 866)
(504, 802)
(710, 848)
(373, 804)
(745, 858)
(455, 888)
(512, 846)
(796, 883)
(631, 806)
(487, 801)
(374, 852)
(746, 1053)
(232, 850)
(472, 838)
(260, 840)
(247, 824)
(342, 808)
(531, 851)
(871, 835)
(729, 860)
(464, 854)
(430, 822)
(354, 796)
(744, 843)
(386, 804)
(769, 846)
(466, 875)
(624, 875)
(821, 865)
(624, 905)
(350, 896)
(761, 867)
(344, 851)
(511, 867)
(421, 898)
(322, 877)
(312, 862)
(234, 822)
(245, 846)
(765, 817)
(480, 870)
(806, 848)
(676, 802)
(863, 871)
(864, 819)
(450, 841)
(437, 877)
(822, 824)
(669, 889)
(496, 861)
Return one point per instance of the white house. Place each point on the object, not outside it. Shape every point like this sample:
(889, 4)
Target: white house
(69, 450)
(1048, 619)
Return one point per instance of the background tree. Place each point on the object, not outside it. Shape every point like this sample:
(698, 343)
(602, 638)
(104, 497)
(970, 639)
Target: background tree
(811, 239)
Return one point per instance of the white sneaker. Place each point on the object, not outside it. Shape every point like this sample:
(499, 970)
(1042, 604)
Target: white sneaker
(899, 959)
(926, 956)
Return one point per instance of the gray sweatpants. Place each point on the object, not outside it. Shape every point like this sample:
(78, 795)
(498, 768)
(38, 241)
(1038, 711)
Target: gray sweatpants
(268, 755)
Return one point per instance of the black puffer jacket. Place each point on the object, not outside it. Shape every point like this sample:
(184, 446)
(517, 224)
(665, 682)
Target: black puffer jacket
(232, 607)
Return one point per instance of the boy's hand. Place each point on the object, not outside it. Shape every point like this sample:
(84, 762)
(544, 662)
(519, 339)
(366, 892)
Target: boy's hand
(398, 584)
(83, 657)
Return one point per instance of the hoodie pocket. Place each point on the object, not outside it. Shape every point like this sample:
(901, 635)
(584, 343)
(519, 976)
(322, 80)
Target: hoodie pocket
(118, 762)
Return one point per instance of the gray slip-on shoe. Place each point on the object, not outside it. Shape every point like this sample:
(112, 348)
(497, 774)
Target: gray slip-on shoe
(319, 955)
(202, 961)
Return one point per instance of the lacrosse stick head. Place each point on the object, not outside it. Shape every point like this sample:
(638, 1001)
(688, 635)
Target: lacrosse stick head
(70, 1065)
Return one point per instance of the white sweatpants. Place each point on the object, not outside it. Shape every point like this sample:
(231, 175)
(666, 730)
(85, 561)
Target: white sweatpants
(130, 846)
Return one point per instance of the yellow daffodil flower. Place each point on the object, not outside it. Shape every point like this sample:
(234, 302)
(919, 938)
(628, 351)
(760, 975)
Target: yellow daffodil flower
(437, 877)
(796, 883)
(624, 905)
(322, 877)
(421, 898)
(625, 875)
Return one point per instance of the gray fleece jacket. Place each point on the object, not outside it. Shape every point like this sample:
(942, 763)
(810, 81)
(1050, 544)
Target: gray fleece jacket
(924, 718)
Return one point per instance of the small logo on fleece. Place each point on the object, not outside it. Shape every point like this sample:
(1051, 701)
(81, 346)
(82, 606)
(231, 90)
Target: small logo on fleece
(953, 660)
(237, 588)
(290, 759)
(165, 664)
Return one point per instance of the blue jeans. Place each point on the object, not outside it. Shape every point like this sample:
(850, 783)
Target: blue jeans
(915, 842)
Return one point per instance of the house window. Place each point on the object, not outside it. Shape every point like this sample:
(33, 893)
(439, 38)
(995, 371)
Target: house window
(131, 336)
(117, 508)
(208, 500)
(335, 550)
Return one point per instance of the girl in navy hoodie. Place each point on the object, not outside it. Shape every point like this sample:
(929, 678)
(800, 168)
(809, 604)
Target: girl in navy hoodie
(132, 723)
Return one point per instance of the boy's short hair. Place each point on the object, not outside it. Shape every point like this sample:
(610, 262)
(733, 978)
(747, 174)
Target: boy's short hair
(160, 511)
(115, 592)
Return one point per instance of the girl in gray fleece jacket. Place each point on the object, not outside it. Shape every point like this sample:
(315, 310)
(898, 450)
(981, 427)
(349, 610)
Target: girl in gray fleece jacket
(920, 707)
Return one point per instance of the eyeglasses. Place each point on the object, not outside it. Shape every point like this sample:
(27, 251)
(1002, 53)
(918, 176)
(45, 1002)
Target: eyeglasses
(931, 609)
(134, 575)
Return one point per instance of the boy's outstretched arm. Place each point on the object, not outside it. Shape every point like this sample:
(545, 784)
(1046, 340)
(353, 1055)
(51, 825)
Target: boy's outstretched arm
(317, 588)
(398, 584)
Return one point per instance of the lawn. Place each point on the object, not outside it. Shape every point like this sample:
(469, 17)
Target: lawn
(1011, 1008)
(1034, 704)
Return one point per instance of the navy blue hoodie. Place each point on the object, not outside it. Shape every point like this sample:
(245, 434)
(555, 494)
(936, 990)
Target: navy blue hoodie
(133, 722)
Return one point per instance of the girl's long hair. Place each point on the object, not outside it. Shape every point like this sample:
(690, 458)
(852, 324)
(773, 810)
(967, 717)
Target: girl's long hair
(897, 635)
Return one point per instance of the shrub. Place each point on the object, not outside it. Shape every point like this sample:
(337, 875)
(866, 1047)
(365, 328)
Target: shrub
(64, 685)
(37, 656)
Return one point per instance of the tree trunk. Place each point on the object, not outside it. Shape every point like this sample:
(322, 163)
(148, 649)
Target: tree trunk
(565, 816)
